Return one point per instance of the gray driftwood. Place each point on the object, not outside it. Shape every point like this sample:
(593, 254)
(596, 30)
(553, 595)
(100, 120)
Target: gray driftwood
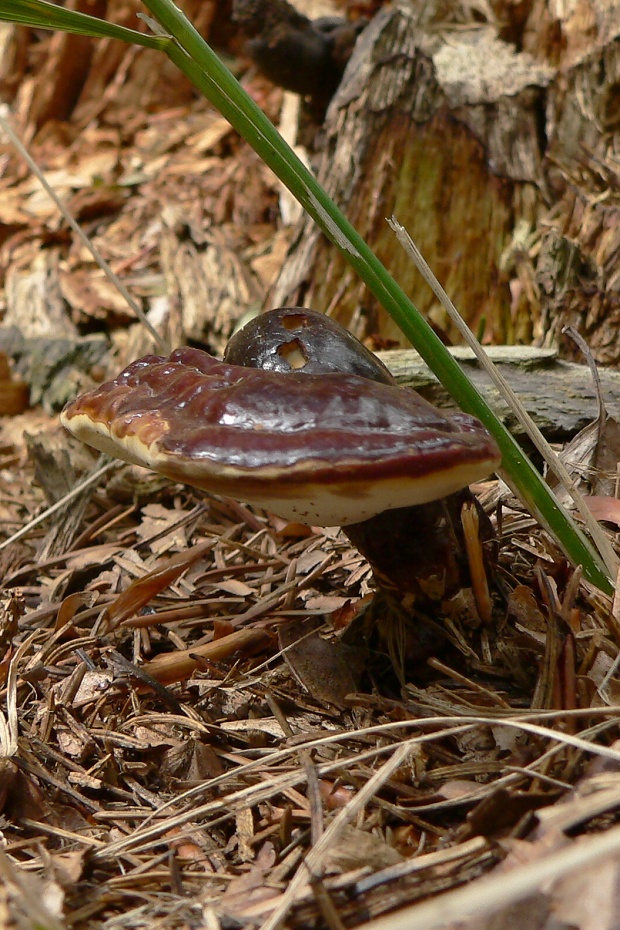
(559, 395)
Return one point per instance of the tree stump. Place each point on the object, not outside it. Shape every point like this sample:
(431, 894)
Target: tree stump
(424, 126)
(491, 144)
(577, 272)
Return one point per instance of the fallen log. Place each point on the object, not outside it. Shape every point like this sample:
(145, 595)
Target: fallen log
(559, 396)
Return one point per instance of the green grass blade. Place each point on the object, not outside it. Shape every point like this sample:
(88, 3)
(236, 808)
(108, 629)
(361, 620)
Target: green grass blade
(44, 15)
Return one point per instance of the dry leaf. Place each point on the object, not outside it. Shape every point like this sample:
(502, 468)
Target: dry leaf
(357, 848)
(605, 508)
(143, 590)
(327, 670)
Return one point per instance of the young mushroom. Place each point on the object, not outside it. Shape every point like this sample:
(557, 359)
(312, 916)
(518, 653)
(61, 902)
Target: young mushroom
(415, 549)
(327, 449)
(296, 339)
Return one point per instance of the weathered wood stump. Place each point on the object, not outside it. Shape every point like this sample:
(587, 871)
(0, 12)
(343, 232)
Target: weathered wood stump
(442, 129)
(493, 144)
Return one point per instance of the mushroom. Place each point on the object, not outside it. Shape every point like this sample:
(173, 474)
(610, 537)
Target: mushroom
(326, 449)
(301, 418)
(418, 548)
(307, 56)
(297, 339)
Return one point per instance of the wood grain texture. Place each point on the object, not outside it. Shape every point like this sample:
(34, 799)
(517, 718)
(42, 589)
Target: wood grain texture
(558, 395)
(423, 126)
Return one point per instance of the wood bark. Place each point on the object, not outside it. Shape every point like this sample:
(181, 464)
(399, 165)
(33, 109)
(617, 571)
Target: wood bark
(77, 78)
(577, 271)
(424, 127)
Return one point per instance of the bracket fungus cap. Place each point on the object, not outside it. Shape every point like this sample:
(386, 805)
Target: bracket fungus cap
(329, 449)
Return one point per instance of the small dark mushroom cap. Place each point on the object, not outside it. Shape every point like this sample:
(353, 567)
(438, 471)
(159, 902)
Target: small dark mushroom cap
(326, 449)
(297, 339)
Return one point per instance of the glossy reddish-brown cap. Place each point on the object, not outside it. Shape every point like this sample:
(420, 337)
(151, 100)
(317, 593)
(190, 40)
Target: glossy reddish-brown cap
(327, 449)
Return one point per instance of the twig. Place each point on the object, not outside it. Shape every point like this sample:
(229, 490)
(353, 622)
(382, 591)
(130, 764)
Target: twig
(488, 895)
(316, 855)
(149, 834)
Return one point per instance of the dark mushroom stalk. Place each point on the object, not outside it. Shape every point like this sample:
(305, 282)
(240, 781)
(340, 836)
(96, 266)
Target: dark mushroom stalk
(417, 549)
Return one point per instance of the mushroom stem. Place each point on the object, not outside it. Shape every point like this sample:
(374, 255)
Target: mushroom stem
(417, 550)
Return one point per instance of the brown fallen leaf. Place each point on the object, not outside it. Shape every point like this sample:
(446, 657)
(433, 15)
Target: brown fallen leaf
(604, 508)
(357, 848)
(327, 670)
(250, 887)
(502, 810)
